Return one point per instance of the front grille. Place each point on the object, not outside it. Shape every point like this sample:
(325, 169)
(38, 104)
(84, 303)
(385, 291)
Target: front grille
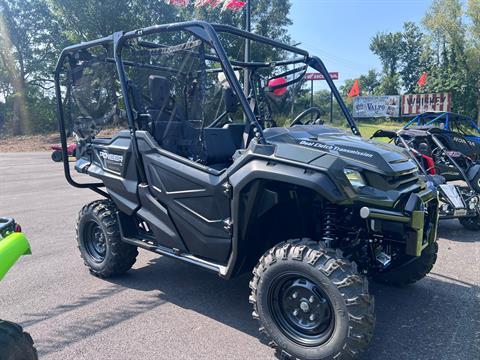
(403, 181)
(399, 183)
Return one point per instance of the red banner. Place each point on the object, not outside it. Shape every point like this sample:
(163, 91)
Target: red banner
(318, 76)
(233, 5)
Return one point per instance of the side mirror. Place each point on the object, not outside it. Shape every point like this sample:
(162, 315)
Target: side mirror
(230, 100)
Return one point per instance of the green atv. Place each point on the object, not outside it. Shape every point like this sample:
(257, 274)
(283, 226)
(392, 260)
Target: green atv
(15, 344)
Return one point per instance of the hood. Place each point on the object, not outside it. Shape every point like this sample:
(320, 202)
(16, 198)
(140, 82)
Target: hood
(306, 143)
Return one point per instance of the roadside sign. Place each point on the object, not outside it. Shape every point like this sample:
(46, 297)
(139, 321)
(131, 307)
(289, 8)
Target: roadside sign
(414, 104)
(376, 106)
(317, 76)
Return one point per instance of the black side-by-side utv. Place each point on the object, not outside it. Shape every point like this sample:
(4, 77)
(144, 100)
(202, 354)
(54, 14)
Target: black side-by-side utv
(442, 158)
(204, 174)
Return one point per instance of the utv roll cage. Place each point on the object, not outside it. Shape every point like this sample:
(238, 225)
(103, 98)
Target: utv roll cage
(428, 131)
(208, 33)
(433, 119)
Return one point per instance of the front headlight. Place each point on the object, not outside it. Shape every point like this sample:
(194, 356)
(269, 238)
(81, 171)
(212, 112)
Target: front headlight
(355, 178)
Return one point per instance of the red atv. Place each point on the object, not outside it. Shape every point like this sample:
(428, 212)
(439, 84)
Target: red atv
(57, 155)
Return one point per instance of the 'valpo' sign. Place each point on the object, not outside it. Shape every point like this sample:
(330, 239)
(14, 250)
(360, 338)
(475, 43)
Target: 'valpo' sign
(419, 103)
(376, 106)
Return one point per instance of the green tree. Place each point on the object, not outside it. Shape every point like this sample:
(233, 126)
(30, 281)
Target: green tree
(269, 18)
(370, 83)
(26, 52)
(347, 85)
(32, 32)
(473, 11)
(90, 19)
(451, 69)
(473, 54)
(388, 47)
(414, 59)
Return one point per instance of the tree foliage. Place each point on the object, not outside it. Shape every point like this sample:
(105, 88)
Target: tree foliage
(33, 32)
(27, 55)
(443, 46)
(451, 69)
(412, 59)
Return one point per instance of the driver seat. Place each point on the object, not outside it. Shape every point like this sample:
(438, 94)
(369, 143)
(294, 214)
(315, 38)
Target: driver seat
(162, 107)
(169, 128)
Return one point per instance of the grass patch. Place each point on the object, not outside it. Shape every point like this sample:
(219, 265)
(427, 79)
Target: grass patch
(368, 130)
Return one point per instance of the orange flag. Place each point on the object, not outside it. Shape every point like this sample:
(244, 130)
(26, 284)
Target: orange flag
(355, 90)
(423, 80)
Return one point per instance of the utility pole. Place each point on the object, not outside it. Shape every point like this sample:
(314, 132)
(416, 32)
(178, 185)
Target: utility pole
(248, 27)
(311, 93)
(331, 106)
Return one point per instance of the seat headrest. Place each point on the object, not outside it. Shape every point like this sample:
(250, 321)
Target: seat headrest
(159, 91)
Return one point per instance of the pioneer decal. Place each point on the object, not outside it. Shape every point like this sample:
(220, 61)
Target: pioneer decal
(335, 148)
(112, 157)
(111, 161)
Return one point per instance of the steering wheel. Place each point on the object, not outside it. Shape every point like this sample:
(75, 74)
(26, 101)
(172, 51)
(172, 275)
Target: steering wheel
(309, 111)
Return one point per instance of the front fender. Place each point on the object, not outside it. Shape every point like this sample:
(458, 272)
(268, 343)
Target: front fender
(267, 170)
(260, 169)
(11, 248)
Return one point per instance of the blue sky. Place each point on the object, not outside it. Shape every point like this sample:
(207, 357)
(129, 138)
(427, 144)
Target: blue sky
(339, 31)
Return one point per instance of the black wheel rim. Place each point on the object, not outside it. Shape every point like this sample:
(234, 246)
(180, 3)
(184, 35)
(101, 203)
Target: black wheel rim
(301, 309)
(94, 241)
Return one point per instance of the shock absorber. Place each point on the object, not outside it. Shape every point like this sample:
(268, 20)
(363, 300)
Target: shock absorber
(329, 228)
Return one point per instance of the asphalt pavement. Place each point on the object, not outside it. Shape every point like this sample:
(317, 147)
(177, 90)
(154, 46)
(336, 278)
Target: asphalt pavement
(164, 309)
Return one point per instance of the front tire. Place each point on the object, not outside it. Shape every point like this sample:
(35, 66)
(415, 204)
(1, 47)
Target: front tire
(99, 242)
(412, 270)
(311, 302)
(470, 223)
(57, 156)
(15, 344)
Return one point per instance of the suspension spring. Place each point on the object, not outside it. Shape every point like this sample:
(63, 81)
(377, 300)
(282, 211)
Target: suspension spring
(329, 228)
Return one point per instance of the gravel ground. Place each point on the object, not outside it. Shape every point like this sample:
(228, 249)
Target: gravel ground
(28, 143)
(164, 309)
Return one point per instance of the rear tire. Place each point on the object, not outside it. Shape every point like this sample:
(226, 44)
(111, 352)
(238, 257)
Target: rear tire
(15, 344)
(99, 242)
(412, 270)
(57, 155)
(334, 317)
(470, 223)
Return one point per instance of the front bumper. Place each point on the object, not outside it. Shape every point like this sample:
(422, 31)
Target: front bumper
(419, 217)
